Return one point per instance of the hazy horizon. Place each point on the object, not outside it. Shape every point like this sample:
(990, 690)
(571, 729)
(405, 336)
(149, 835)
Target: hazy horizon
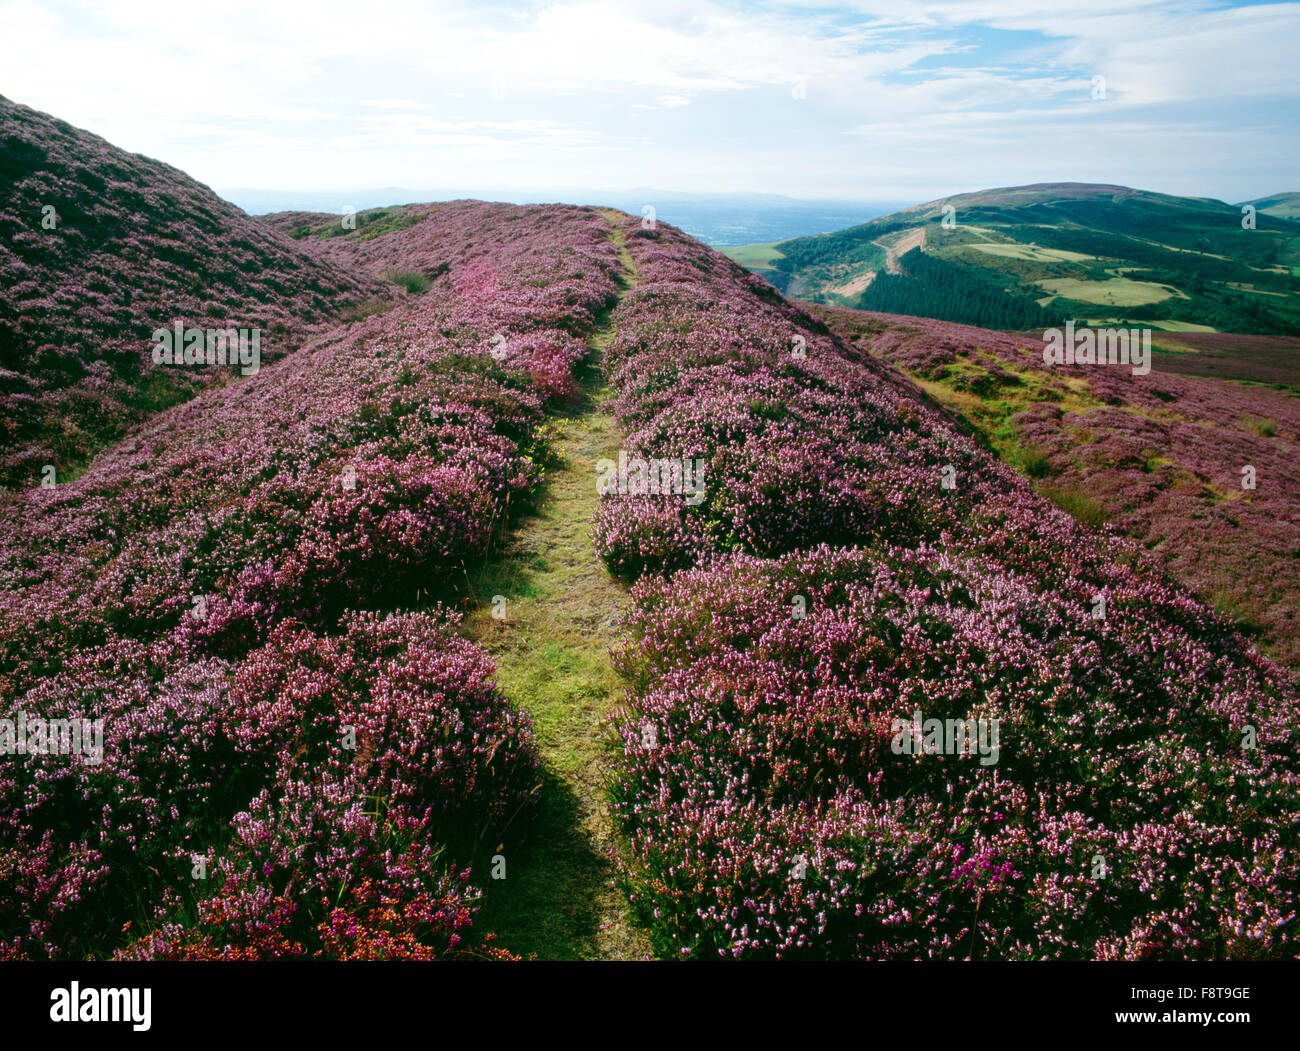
(722, 220)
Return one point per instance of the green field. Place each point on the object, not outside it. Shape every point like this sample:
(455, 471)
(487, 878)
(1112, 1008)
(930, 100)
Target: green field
(1282, 205)
(1155, 326)
(1179, 326)
(1032, 252)
(754, 257)
(1115, 292)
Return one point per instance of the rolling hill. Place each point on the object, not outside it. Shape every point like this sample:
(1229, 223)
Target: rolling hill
(1282, 205)
(100, 247)
(1158, 456)
(1033, 256)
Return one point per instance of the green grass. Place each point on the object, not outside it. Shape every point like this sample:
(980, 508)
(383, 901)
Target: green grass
(559, 900)
(991, 415)
(1034, 462)
(411, 280)
(1076, 503)
(1287, 206)
(1118, 320)
(754, 257)
(1116, 292)
(373, 222)
(1178, 326)
(1261, 425)
(989, 404)
(1032, 252)
(1228, 600)
(158, 389)
(374, 305)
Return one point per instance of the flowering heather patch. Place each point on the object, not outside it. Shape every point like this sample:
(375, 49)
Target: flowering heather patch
(242, 496)
(1144, 800)
(799, 449)
(204, 577)
(98, 248)
(167, 774)
(314, 763)
(1162, 454)
(556, 272)
(770, 743)
(343, 838)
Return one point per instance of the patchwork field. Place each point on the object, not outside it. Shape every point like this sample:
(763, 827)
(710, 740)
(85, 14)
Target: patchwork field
(1037, 256)
(1031, 252)
(754, 257)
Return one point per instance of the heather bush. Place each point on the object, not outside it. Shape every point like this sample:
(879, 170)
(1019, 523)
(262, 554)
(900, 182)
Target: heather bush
(641, 534)
(87, 844)
(219, 586)
(316, 876)
(314, 762)
(757, 736)
(858, 561)
(392, 750)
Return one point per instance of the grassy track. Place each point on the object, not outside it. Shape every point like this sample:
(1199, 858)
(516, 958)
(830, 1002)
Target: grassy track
(559, 899)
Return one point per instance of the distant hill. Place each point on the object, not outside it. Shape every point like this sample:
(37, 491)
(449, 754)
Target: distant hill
(1282, 205)
(1027, 257)
(100, 247)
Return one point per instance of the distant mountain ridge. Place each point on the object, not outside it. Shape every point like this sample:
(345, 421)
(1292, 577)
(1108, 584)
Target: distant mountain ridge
(1028, 256)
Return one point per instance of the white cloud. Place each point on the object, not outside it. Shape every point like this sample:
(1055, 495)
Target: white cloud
(696, 94)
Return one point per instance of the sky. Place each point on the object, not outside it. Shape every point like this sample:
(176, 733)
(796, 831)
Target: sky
(875, 100)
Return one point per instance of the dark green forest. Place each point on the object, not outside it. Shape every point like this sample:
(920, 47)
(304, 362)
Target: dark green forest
(933, 287)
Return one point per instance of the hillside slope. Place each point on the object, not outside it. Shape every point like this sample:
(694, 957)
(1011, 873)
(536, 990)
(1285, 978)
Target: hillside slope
(1033, 256)
(251, 591)
(100, 247)
(860, 576)
(1282, 205)
(1159, 456)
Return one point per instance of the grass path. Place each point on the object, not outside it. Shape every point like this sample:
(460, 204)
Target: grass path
(559, 899)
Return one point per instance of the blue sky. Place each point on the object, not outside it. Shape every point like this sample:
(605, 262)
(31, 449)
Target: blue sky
(892, 100)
